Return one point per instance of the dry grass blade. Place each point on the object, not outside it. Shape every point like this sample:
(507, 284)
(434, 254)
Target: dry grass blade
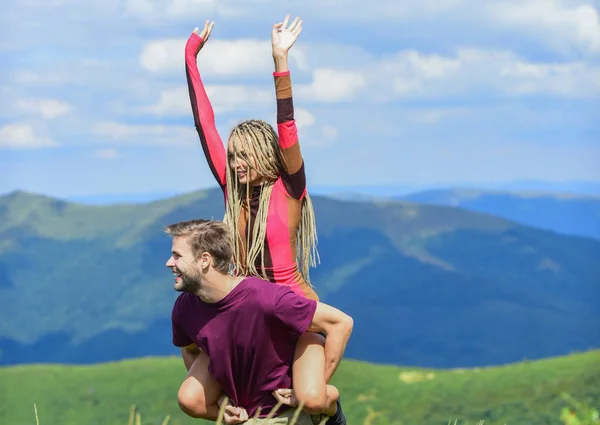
(131, 414)
(274, 410)
(297, 413)
(324, 420)
(37, 420)
(167, 419)
(222, 410)
(371, 416)
(257, 413)
(138, 418)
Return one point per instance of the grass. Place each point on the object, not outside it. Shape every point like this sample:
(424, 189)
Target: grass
(523, 393)
(584, 415)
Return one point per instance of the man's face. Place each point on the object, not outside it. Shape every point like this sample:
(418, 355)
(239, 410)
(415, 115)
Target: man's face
(188, 275)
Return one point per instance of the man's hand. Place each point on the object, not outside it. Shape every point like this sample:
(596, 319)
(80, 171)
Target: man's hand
(231, 414)
(286, 396)
(234, 415)
(283, 38)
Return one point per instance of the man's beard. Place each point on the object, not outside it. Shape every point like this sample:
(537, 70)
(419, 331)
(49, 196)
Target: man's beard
(190, 282)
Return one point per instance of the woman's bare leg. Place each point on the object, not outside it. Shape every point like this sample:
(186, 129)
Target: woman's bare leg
(199, 394)
(309, 383)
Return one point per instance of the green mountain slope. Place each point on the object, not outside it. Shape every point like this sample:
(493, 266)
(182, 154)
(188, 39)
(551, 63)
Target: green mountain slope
(524, 393)
(427, 285)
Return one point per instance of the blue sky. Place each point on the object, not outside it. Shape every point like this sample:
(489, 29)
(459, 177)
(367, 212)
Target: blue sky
(414, 92)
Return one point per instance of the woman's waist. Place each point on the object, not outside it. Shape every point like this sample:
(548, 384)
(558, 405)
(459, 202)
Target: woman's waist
(288, 275)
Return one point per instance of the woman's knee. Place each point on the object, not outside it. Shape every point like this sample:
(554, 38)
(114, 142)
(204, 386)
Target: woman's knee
(313, 399)
(190, 400)
(310, 387)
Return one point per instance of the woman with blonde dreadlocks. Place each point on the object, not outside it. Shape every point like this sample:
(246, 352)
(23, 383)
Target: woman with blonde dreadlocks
(268, 208)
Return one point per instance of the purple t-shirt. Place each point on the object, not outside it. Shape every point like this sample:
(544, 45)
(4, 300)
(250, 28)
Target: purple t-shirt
(250, 337)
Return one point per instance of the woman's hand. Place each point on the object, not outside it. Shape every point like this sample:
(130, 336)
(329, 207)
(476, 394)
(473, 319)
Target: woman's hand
(283, 38)
(204, 35)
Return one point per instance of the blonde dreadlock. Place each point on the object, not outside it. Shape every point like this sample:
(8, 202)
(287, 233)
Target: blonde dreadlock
(261, 142)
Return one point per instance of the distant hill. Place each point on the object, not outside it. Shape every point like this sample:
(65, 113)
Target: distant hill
(523, 393)
(370, 192)
(430, 286)
(121, 198)
(582, 188)
(564, 213)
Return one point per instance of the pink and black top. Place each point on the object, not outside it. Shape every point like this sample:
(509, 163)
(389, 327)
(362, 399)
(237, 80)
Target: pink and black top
(283, 218)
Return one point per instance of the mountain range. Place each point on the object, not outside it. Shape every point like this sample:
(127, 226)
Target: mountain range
(427, 285)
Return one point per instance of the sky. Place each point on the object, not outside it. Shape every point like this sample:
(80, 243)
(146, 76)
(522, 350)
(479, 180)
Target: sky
(94, 98)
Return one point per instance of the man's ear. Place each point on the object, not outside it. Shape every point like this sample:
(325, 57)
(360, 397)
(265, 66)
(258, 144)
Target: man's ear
(205, 261)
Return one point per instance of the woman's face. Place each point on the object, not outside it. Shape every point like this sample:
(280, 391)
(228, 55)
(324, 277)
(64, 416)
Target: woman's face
(242, 162)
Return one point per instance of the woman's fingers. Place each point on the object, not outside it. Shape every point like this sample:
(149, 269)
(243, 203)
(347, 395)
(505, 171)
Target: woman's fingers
(294, 24)
(277, 27)
(298, 29)
(209, 32)
(208, 26)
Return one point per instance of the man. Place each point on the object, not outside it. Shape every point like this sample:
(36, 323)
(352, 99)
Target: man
(238, 334)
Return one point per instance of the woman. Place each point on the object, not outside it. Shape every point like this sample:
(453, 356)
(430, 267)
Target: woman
(267, 205)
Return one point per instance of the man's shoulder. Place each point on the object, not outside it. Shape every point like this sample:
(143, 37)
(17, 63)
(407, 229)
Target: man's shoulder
(263, 292)
(184, 297)
(182, 302)
(263, 287)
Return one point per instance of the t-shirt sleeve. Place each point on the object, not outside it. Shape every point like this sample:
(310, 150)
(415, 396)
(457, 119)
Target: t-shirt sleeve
(293, 311)
(180, 337)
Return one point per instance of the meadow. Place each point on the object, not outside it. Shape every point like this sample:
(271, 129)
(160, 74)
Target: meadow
(521, 393)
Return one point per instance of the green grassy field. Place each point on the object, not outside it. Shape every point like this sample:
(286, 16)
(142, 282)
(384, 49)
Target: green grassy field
(523, 393)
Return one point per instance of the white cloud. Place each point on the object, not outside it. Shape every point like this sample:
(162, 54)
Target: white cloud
(562, 24)
(23, 136)
(106, 154)
(318, 136)
(174, 101)
(150, 11)
(330, 132)
(151, 134)
(331, 86)
(408, 74)
(46, 108)
(430, 116)
(217, 57)
(411, 74)
(223, 98)
(304, 118)
(34, 78)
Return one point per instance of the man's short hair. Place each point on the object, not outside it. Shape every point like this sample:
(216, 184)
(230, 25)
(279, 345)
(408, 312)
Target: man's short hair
(209, 236)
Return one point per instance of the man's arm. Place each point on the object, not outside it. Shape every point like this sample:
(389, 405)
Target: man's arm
(337, 325)
(189, 355)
